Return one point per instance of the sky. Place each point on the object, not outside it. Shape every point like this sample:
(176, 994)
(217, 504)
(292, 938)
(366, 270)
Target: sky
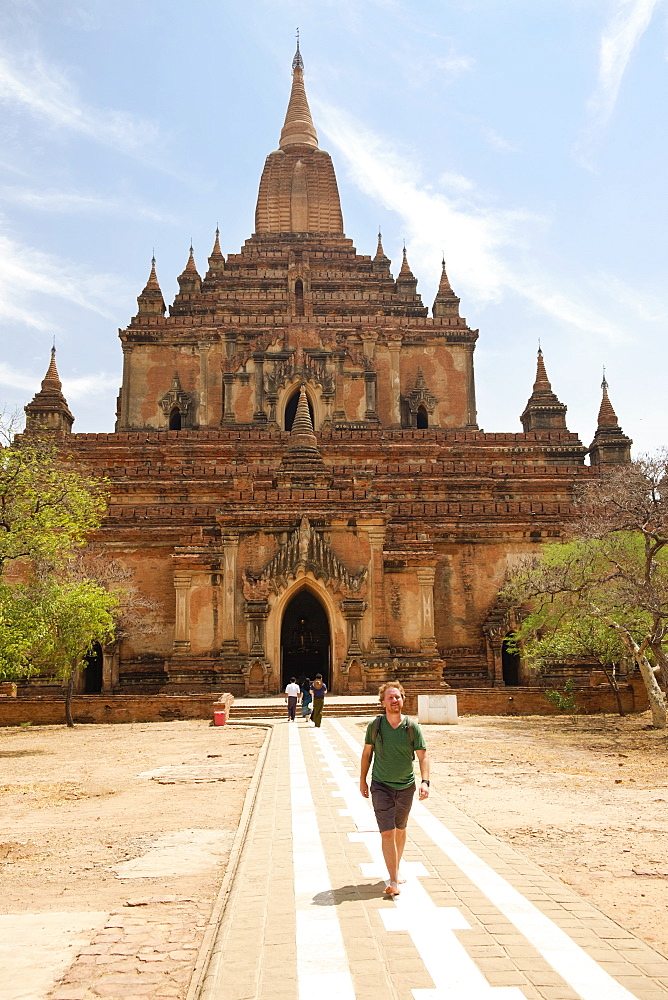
(525, 140)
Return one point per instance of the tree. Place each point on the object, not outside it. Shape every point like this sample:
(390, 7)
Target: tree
(49, 617)
(604, 591)
(51, 624)
(47, 506)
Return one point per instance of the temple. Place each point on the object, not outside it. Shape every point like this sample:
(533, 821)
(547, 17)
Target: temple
(298, 482)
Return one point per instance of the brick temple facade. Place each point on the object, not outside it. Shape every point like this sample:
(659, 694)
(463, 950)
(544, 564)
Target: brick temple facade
(297, 478)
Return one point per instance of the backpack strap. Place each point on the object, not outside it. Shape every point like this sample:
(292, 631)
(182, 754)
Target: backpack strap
(377, 736)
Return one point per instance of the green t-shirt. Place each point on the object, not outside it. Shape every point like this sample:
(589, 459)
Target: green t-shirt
(392, 754)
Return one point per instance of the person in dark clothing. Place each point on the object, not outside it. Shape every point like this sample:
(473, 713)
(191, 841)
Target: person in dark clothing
(318, 690)
(307, 698)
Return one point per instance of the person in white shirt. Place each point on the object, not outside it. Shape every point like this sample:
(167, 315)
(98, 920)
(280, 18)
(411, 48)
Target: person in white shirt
(292, 693)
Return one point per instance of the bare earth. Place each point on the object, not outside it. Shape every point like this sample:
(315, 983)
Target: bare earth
(114, 839)
(132, 824)
(585, 798)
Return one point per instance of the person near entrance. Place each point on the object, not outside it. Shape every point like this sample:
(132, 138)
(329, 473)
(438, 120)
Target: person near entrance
(318, 690)
(292, 693)
(392, 740)
(307, 698)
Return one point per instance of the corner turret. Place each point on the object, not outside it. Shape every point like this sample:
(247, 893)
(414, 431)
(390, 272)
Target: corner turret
(48, 410)
(151, 301)
(446, 302)
(610, 445)
(543, 411)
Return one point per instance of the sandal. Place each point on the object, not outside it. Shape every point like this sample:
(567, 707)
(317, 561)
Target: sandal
(390, 891)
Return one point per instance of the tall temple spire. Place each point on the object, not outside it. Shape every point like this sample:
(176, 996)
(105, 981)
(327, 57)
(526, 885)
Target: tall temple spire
(298, 129)
(610, 445)
(446, 302)
(298, 190)
(48, 410)
(543, 411)
(151, 300)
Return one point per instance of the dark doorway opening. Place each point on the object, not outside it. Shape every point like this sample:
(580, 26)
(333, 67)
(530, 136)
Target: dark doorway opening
(422, 421)
(304, 639)
(93, 670)
(175, 419)
(510, 662)
(291, 411)
(299, 298)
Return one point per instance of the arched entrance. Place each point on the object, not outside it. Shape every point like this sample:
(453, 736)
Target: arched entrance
(510, 663)
(305, 639)
(93, 670)
(291, 410)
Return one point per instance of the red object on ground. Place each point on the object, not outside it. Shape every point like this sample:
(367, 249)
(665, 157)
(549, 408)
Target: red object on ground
(219, 718)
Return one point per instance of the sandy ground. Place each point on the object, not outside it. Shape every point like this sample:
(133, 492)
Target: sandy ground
(585, 798)
(126, 831)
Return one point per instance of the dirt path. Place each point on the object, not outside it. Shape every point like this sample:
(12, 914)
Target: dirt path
(585, 799)
(126, 830)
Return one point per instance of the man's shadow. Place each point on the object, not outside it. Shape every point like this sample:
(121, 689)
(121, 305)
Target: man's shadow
(346, 893)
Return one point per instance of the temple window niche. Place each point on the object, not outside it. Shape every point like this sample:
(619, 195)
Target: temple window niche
(299, 297)
(422, 419)
(175, 419)
(291, 410)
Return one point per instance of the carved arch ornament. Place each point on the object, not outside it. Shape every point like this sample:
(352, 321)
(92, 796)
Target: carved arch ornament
(305, 549)
(421, 396)
(175, 397)
(301, 368)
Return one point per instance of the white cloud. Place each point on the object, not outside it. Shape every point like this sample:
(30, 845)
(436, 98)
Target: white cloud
(44, 91)
(484, 247)
(456, 182)
(74, 389)
(68, 202)
(27, 275)
(621, 34)
(90, 386)
(17, 379)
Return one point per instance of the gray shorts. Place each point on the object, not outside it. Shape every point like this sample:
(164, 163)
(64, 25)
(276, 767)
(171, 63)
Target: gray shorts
(391, 805)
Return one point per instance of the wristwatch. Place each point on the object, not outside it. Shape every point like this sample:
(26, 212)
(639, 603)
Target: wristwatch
(425, 781)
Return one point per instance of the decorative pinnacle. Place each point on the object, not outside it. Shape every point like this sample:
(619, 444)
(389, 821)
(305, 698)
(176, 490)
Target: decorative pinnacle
(152, 284)
(405, 271)
(542, 383)
(190, 266)
(297, 61)
(52, 379)
(606, 414)
(444, 286)
(216, 260)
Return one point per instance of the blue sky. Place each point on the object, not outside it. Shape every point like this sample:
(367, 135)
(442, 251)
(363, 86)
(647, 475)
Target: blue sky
(526, 140)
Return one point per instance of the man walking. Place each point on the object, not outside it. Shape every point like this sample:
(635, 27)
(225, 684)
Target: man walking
(393, 740)
(292, 693)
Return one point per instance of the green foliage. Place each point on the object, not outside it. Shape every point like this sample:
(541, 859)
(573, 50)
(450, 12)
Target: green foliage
(52, 625)
(604, 592)
(49, 616)
(47, 506)
(565, 700)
